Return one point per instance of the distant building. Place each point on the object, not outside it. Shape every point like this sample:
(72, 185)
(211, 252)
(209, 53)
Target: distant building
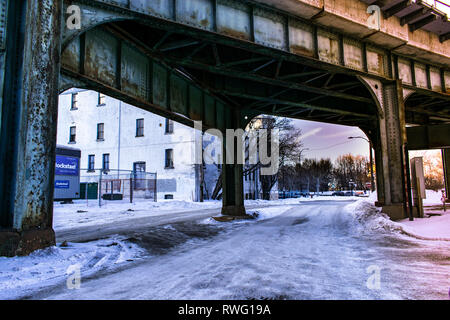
(116, 137)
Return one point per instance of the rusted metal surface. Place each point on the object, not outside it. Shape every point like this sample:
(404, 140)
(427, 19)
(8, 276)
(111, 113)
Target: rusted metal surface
(162, 8)
(234, 19)
(404, 71)
(3, 23)
(160, 77)
(301, 39)
(101, 56)
(376, 61)
(198, 13)
(328, 47)
(429, 137)
(135, 72)
(269, 29)
(113, 63)
(435, 78)
(178, 95)
(33, 203)
(353, 54)
(70, 57)
(195, 103)
(263, 25)
(447, 80)
(420, 75)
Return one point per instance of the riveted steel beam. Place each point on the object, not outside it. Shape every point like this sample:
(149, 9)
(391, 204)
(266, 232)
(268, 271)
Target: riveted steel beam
(214, 22)
(293, 103)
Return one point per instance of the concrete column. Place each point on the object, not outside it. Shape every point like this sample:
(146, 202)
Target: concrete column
(29, 128)
(446, 166)
(389, 153)
(232, 174)
(233, 190)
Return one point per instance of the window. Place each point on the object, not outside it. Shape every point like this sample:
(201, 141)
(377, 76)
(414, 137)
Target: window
(101, 100)
(139, 175)
(72, 134)
(169, 159)
(168, 196)
(100, 131)
(105, 162)
(74, 101)
(169, 126)
(139, 127)
(91, 163)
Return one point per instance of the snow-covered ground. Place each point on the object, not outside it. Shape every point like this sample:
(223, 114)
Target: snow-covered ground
(435, 227)
(88, 213)
(81, 212)
(20, 276)
(433, 197)
(299, 249)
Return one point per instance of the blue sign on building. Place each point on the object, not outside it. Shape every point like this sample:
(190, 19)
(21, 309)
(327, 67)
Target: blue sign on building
(66, 166)
(62, 184)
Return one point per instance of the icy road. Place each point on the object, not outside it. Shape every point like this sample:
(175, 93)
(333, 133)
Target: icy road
(315, 250)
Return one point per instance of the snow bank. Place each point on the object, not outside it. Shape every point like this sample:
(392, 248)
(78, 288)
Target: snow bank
(370, 218)
(48, 266)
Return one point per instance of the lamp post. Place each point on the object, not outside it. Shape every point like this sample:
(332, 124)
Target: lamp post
(372, 183)
(351, 185)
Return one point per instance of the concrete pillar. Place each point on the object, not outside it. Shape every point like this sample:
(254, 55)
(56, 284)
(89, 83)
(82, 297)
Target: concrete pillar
(28, 139)
(389, 153)
(446, 166)
(232, 173)
(233, 190)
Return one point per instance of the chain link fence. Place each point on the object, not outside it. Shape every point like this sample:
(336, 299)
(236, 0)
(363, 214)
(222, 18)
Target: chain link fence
(115, 185)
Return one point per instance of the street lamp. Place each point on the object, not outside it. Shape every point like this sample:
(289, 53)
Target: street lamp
(372, 183)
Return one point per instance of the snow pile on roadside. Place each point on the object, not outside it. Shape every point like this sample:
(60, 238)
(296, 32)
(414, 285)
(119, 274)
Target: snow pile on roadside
(371, 219)
(50, 266)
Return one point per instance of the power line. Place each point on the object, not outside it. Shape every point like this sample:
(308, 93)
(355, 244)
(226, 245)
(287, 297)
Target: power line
(332, 146)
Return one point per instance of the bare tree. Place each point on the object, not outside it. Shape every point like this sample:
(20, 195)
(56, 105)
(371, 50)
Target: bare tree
(314, 174)
(289, 148)
(352, 168)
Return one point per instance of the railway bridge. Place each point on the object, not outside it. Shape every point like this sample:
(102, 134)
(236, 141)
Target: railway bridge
(380, 65)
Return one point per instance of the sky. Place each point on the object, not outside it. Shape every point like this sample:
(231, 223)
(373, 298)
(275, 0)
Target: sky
(323, 140)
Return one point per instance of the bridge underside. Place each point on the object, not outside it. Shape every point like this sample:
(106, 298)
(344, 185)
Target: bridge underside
(186, 74)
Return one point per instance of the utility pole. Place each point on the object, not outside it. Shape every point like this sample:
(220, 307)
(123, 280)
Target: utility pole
(372, 180)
